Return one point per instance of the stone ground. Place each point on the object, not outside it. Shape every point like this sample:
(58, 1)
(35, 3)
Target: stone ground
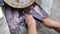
(53, 11)
(3, 26)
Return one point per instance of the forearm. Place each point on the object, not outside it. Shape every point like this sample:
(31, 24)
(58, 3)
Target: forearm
(32, 29)
(50, 23)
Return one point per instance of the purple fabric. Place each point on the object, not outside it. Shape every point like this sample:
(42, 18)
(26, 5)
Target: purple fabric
(15, 20)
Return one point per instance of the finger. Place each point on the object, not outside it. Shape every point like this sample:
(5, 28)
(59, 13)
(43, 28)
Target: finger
(27, 15)
(24, 17)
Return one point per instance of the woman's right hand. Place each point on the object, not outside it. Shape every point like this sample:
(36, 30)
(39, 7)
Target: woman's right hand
(30, 21)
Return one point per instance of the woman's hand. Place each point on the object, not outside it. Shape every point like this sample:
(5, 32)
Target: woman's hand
(31, 24)
(30, 20)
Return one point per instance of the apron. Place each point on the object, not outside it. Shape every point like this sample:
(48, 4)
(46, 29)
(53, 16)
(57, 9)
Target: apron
(15, 18)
